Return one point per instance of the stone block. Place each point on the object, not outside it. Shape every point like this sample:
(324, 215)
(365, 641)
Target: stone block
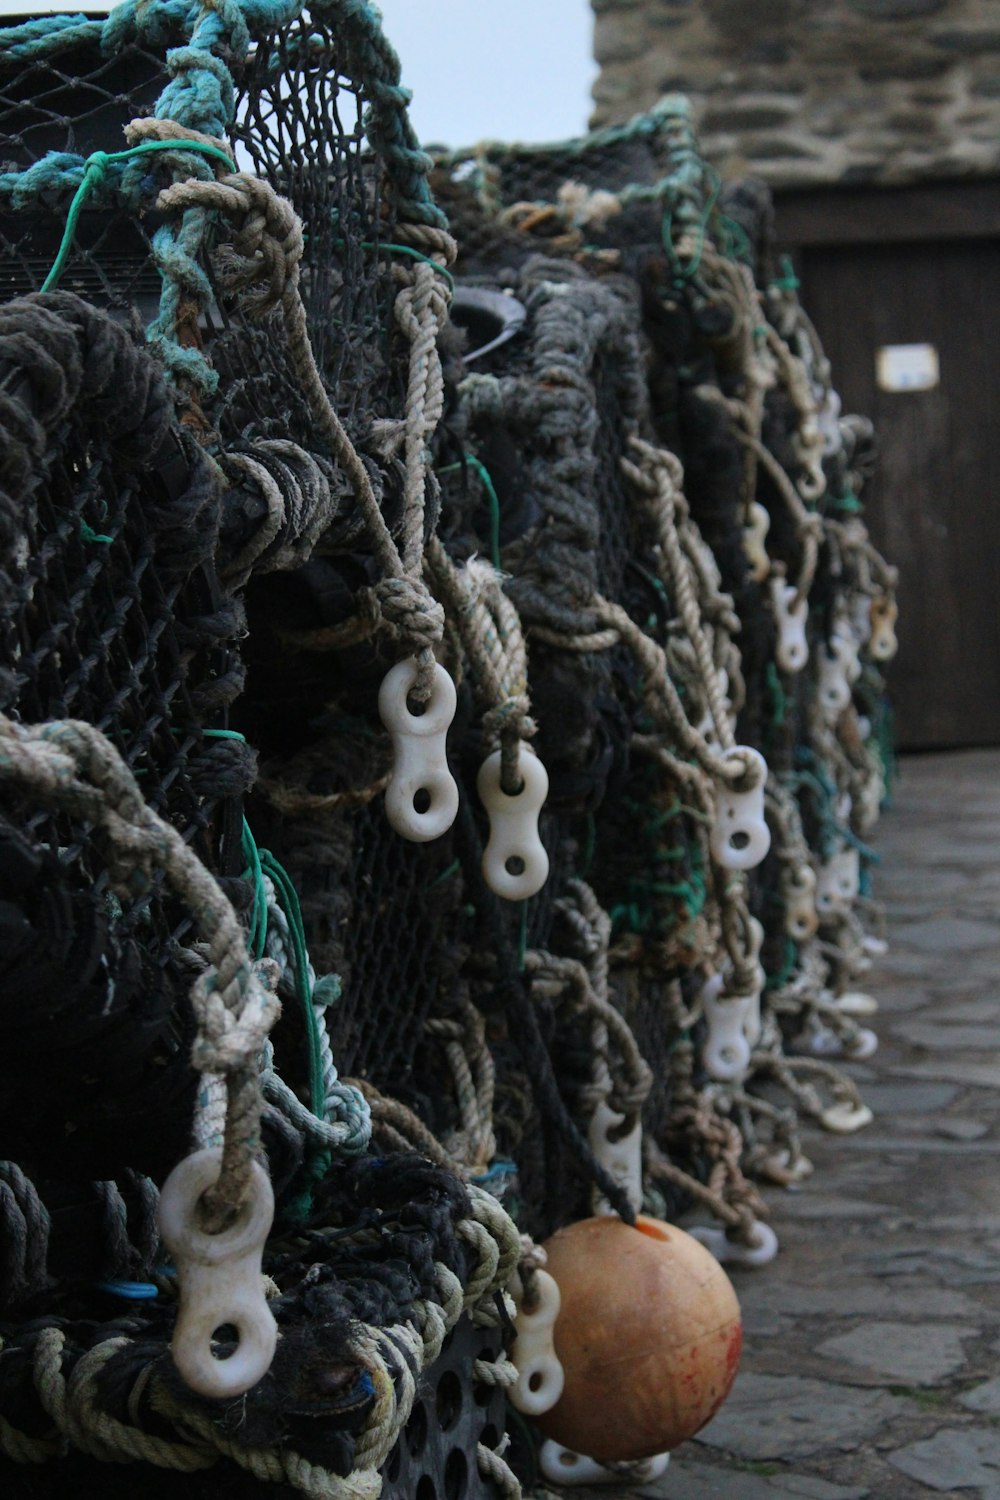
(909, 68)
(788, 1416)
(954, 1459)
(910, 1353)
(984, 1398)
(768, 51)
(752, 113)
(968, 41)
(785, 147)
(619, 36)
(897, 10)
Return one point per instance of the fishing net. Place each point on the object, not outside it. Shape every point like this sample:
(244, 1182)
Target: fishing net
(589, 479)
(111, 613)
(142, 491)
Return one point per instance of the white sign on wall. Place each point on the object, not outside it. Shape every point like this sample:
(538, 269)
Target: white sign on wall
(907, 367)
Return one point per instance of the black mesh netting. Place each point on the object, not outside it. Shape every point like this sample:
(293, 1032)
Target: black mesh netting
(298, 125)
(110, 612)
(161, 503)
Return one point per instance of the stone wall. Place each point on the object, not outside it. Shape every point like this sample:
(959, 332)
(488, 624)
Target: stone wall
(814, 91)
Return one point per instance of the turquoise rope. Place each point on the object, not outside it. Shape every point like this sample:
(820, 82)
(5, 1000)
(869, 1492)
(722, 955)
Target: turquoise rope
(95, 173)
(201, 96)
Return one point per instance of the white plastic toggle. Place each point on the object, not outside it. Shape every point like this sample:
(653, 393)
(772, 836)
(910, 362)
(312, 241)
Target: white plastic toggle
(823, 1041)
(740, 837)
(799, 890)
(730, 1252)
(784, 1168)
(845, 1119)
(863, 1045)
(421, 798)
(751, 1019)
(856, 1003)
(754, 536)
(726, 1053)
(839, 668)
(515, 864)
(219, 1279)
(838, 883)
(562, 1466)
(541, 1376)
(621, 1158)
(882, 644)
(791, 616)
(827, 420)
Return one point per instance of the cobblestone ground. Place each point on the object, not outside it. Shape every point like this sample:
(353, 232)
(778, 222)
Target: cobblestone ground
(872, 1363)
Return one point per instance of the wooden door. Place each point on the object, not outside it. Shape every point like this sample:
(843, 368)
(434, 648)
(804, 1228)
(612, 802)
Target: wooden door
(935, 506)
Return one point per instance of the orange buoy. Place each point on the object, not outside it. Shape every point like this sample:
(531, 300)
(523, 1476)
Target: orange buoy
(648, 1334)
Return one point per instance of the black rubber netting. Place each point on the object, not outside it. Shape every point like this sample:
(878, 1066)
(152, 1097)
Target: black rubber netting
(640, 152)
(564, 505)
(685, 331)
(110, 611)
(77, 100)
(299, 126)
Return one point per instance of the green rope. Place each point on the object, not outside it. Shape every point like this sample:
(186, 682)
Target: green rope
(470, 461)
(784, 974)
(787, 281)
(288, 900)
(445, 874)
(414, 254)
(88, 534)
(690, 271)
(849, 503)
(779, 700)
(95, 172)
(734, 242)
(257, 936)
(522, 937)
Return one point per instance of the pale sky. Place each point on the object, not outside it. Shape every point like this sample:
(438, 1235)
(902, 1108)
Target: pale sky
(494, 69)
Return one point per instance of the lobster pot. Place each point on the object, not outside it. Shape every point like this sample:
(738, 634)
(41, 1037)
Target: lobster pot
(299, 121)
(549, 412)
(111, 613)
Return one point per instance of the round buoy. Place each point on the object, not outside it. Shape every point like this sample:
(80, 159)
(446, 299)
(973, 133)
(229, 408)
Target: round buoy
(648, 1334)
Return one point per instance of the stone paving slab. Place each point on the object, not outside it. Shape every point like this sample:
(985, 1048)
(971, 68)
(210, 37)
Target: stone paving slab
(872, 1363)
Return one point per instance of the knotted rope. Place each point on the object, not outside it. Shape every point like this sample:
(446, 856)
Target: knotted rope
(71, 767)
(262, 265)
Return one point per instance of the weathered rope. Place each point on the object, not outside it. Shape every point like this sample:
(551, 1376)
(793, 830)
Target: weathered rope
(263, 265)
(71, 767)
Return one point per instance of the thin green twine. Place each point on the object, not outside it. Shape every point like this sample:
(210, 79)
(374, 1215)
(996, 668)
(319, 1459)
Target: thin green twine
(779, 700)
(787, 281)
(289, 901)
(414, 254)
(690, 271)
(257, 935)
(95, 171)
(522, 938)
(470, 461)
(88, 534)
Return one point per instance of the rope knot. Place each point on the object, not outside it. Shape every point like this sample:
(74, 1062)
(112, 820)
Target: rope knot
(228, 1039)
(511, 718)
(404, 608)
(267, 241)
